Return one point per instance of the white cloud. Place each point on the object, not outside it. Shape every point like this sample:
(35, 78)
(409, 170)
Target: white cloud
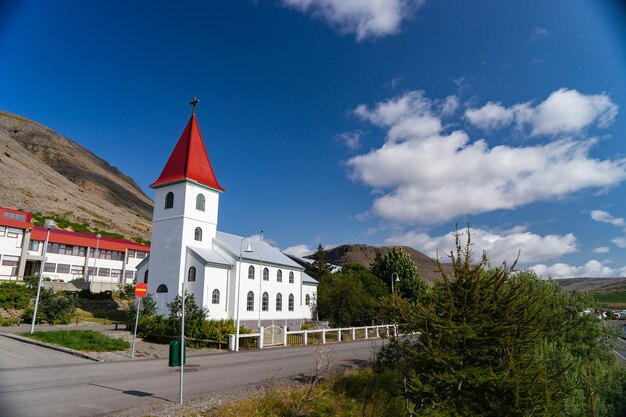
(605, 217)
(563, 112)
(351, 139)
(424, 175)
(538, 33)
(259, 237)
(500, 245)
(620, 242)
(601, 249)
(364, 18)
(592, 269)
(490, 116)
(299, 250)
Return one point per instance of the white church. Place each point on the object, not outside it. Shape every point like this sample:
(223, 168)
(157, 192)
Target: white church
(228, 274)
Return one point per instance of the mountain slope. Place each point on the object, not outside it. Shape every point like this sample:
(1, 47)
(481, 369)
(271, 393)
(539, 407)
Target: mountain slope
(43, 171)
(365, 255)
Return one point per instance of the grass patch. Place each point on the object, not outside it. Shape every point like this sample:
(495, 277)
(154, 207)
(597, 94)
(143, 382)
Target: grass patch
(83, 340)
(616, 299)
(101, 316)
(354, 393)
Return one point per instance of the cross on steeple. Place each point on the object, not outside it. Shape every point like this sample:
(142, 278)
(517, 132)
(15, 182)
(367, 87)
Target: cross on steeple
(193, 104)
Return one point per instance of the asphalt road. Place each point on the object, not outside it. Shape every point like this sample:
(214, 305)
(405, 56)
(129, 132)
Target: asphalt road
(88, 388)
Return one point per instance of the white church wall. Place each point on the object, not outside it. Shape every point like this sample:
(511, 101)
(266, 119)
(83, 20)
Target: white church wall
(216, 279)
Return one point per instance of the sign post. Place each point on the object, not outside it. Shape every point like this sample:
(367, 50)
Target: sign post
(140, 291)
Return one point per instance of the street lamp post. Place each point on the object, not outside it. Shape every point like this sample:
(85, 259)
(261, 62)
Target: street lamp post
(48, 224)
(241, 251)
(396, 279)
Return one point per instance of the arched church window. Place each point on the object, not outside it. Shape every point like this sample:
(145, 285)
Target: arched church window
(279, 276)
(215, 299)
(307, 300)
(191, 276)
(169, 200)
(251, 272)
(291, 277)
(266, 274)
(279, 302)
(161, 289)
(266, 302)
(197, 234)
(200, 202)
(290, 302)
(250, 303)
(145, 276)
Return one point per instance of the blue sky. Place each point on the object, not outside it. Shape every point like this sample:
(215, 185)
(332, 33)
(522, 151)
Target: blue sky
(354, 121)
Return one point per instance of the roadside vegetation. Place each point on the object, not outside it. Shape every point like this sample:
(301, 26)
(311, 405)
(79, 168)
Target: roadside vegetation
(83, 340)
(493, 342)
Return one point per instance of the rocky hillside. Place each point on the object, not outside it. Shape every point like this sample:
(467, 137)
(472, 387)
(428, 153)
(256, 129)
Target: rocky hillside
(594, 285)
(42, 171)
(365, 255)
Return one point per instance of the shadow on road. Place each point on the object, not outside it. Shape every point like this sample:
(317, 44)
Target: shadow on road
(132, 392)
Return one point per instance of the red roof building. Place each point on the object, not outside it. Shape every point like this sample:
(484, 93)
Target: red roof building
(69, 255)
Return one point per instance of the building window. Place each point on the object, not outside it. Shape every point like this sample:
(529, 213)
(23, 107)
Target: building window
(169, 200)
(2, 231)
(34, 245)
(200, 202)
(215, 298)
(48, 267)
(131, 253)
(279, 276)
(197, 235)
(141, 254)
(251, 272)
(104, 272)
(130, 275)
(307, 300)
(266, 274)
(145, 276)
(161, 289)
(115, 273)
(15, 216)
(9, 260)
(290, 302)
(192, 274)
(291, 277)
(279, 302)
(266, 302)
(63, 269)
(14, 233)
(78, 269)
(250, 303)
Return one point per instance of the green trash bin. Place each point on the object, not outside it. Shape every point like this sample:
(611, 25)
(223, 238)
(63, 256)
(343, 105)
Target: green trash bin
(175, 353)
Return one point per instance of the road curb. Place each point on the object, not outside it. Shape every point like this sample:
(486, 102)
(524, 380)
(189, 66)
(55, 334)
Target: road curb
(53, 347)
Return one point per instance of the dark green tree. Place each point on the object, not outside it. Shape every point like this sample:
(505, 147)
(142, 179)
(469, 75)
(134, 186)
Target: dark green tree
(320, 264)
(349, 297)
(476, 353)
(398, 261)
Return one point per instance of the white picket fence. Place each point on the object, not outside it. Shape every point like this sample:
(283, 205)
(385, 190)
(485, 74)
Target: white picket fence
(280, 336)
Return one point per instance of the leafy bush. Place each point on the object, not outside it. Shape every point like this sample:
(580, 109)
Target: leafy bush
(160, 329)
(57, 308)
(14, 295)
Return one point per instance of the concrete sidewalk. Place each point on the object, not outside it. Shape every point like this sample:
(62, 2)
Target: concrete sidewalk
(143, 350)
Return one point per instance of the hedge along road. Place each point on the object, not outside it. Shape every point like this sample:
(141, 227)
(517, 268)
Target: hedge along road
(90, 388)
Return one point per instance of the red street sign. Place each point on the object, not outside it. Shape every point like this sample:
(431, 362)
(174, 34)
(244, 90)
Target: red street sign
(141, 290)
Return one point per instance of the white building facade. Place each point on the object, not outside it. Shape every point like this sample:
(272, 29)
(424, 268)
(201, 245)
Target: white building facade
(231, 276)
(70, 255)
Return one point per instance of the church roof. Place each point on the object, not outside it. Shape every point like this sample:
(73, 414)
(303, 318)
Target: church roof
(209, 256)
(269, 254)
(189, 160)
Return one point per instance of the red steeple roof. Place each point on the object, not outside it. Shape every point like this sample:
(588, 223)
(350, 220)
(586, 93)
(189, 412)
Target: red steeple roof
(189, 160)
